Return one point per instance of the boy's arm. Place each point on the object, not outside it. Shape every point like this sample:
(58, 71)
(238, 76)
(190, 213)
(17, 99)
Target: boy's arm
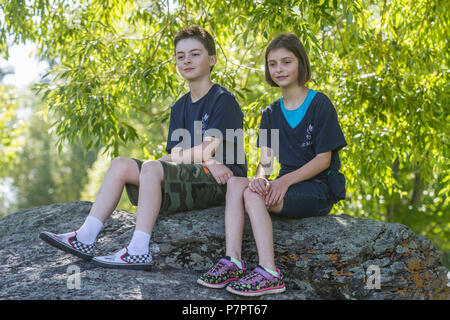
(202, 154)
(219, 171)
(198, 154)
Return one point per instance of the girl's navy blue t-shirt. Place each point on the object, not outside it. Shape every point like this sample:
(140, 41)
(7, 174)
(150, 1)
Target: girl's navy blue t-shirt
(319, 131)
(217, 111)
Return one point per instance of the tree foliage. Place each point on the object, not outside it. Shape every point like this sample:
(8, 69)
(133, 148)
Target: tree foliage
(37, 173)
(384, 64)
(11, 128)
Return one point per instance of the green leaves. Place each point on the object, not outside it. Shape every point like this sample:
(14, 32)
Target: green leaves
(11, 128)
(384, 64)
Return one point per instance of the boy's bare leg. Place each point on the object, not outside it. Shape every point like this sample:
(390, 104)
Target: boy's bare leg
(136, 255)
(122, 170)
(150, 195)
(234, 215)
(81, 242)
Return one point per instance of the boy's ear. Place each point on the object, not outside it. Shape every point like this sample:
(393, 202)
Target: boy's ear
(212, 60)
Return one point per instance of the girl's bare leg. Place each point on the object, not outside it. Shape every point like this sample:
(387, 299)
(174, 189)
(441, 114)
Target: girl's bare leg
(234, 215)
(261, 226)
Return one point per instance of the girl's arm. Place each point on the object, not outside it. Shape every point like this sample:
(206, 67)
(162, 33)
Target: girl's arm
(279, 186)
(318, 164)
(265, 165)
(260, 184)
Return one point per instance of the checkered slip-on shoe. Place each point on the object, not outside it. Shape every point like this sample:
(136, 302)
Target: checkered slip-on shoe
(123, 260)
(68, 242)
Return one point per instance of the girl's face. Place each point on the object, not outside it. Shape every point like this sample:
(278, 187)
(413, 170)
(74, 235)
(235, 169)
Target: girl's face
(283, 67)
(193, 61)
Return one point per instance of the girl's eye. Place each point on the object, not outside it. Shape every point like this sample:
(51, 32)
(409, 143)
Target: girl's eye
(180, 57)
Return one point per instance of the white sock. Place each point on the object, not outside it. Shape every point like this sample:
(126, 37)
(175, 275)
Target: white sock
(89, 230)
(139, 243)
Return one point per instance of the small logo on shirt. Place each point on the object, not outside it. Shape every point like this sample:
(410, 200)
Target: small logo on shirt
(309, 131)
(204, 122)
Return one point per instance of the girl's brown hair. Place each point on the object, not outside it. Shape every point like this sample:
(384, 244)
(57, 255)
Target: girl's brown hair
(291, 42)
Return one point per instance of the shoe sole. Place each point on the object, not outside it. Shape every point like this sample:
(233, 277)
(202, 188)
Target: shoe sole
(64, 247)
(257, 293)
(125, 266)
(215, 286)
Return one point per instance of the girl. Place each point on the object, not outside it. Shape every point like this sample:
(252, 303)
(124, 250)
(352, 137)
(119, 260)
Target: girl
(308, 184)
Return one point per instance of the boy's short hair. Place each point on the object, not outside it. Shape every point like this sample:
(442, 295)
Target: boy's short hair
(291, 42)
(197, 33)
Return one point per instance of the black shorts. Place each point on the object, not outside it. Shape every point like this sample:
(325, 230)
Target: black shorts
(307, 199)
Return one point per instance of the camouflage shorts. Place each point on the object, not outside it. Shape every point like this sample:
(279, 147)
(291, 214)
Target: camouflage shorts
(185, 187)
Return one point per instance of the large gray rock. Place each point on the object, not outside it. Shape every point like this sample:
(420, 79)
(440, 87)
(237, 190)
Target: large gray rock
(333, 257)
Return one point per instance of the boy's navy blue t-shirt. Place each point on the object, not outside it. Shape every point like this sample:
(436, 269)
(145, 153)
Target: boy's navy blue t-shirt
(215, 112)
(317, 132)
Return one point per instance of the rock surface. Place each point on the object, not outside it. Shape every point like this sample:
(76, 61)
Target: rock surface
(333, 257)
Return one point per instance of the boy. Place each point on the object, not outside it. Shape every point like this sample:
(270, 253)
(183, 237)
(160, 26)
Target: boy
(185, 179)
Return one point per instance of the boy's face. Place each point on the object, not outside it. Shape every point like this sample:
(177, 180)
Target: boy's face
(193, 61)
(283, 67)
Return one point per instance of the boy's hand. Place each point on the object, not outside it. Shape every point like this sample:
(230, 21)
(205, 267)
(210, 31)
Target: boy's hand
(260, 185)
(278, 189)
(220, 172)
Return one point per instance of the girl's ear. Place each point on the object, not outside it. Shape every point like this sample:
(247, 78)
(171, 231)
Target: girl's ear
(212, 60)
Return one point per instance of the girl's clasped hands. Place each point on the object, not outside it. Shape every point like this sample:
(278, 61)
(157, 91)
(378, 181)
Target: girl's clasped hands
(272, 191)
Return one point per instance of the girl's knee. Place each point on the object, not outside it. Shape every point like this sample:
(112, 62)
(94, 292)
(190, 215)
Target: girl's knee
(276, 208)
(249, 195)
(250, 198)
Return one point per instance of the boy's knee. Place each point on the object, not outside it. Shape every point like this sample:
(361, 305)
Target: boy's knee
(152, 168)
(119, 161)
(122, 165)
